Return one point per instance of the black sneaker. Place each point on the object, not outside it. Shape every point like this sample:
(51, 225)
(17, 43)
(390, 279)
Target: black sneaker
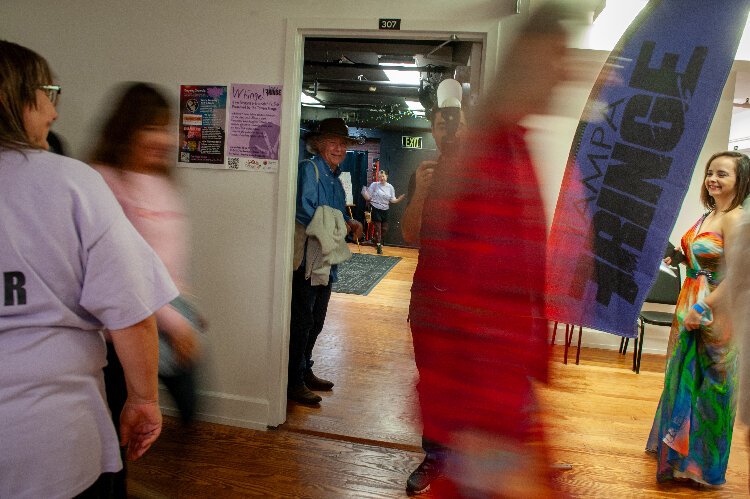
(420, 479)
(380, 249)
(302, 395)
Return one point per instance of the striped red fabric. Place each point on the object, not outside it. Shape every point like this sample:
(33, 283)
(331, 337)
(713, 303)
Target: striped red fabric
(477, 298)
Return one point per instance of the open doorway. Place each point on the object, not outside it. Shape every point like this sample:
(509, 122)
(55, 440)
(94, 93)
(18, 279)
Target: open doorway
(365, 346)
(384, 90)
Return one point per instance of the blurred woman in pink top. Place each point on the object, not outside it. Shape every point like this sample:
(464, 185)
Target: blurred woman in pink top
(135, 154)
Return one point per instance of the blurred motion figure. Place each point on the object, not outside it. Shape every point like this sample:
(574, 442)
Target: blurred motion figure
(436, 454)
(478, 293)
(135, 154)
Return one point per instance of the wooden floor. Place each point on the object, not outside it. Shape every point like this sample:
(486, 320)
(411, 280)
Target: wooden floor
(364, 440)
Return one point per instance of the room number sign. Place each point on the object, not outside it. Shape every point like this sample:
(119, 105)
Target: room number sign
(392, 24)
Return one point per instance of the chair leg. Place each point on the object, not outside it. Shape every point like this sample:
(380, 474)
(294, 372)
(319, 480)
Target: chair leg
(640, 351)
(578, 349)
(554, 334)
(622, 342)
(567, 342)
(635, 352)
(625, 346)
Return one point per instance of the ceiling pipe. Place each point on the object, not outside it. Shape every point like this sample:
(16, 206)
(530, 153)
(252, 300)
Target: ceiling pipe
(334, 81)
(452, 38)
(422, 69)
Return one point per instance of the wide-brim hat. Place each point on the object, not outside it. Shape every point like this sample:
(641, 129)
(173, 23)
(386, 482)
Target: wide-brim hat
(332, 126)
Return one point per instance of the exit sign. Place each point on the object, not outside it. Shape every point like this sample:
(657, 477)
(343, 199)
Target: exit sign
(411, 142)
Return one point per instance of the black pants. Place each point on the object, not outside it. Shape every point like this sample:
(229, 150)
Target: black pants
(103, 488)
(309, 307)
(380, 222)
(117, 394)
(182, 390)
(434, 451)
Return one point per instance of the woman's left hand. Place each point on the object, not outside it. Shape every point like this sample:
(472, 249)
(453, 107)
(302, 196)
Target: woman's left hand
(693, 320)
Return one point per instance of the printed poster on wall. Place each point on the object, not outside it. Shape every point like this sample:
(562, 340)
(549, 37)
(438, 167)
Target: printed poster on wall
(203, 111)
(254, 126)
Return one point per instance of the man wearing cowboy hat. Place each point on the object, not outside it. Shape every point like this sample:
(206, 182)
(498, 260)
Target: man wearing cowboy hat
(317, 185)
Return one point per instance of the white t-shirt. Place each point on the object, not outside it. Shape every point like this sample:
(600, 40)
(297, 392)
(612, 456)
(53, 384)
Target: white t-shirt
(381, 195)
(70, 264)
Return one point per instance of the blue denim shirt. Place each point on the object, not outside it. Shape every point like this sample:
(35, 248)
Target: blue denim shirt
(313, 191)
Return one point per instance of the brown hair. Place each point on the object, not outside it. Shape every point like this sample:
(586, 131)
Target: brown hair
(742, 185)
(22, 71)
(139, 105)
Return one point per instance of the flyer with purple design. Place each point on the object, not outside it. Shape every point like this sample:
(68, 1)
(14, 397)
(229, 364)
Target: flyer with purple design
(254, 127)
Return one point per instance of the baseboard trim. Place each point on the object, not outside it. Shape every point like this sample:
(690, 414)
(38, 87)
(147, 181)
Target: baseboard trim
(655, 340)
(221, 408)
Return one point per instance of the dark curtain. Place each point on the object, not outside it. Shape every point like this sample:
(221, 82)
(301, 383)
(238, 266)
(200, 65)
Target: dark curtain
(356, 164)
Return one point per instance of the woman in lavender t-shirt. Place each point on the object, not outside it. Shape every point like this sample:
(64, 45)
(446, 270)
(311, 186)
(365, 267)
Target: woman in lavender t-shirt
(71, 265)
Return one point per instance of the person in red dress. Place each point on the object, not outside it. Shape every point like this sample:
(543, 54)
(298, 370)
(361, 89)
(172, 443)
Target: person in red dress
(478, 294)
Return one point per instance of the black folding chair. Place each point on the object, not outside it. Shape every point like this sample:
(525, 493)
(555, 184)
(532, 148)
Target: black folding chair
(665, 291)
(569, 329)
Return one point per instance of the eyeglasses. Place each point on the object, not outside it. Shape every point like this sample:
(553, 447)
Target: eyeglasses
(52, 91)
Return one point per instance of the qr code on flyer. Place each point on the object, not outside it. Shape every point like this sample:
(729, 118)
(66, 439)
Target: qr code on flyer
(184, 157)
(233, 163)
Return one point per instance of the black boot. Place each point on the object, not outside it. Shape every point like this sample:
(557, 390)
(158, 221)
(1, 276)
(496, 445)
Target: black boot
(302, 395)
(315, 383)
(420, 479)
(380, 249)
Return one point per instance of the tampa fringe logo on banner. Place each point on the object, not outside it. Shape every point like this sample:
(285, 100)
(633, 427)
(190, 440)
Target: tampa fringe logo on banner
(632, 159)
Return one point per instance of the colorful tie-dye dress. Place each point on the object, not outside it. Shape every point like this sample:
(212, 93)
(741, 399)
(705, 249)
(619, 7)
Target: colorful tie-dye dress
(692, 429)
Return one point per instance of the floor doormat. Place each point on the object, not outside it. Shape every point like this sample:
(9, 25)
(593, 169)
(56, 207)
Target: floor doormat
(362, 272)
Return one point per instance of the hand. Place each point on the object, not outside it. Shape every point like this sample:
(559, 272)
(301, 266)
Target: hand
(424, 174)
(355, 228)
(693, 320)
(140, 426)
(668, 260)
(184, 341)
(400, 198)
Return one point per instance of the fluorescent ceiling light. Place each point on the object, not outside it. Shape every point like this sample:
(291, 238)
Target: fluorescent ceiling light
(402, 77)
(306, 99)
(396, 59)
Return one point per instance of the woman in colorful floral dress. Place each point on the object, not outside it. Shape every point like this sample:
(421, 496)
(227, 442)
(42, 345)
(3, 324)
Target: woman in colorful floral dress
(692, 430)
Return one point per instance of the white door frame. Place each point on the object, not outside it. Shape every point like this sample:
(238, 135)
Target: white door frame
(487, 32)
